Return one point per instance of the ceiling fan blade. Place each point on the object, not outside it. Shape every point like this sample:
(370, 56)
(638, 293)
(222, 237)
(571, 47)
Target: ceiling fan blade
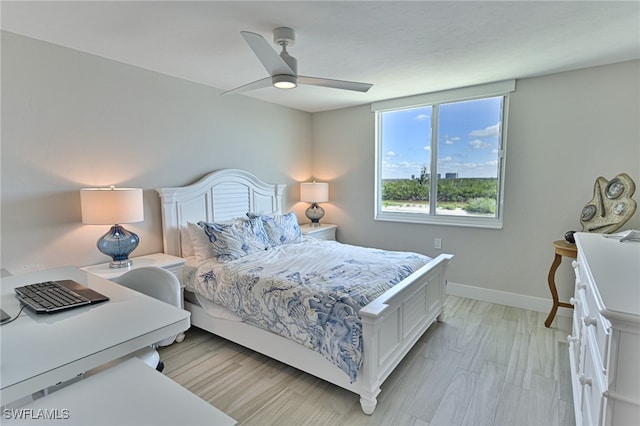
(336, 84)
(273, 63)
(258, 84)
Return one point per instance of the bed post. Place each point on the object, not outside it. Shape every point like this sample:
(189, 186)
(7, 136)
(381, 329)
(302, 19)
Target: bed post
(367, 378)
(170, 224)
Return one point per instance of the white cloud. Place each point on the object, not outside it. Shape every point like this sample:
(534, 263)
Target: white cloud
(401, 169)
(463, 167)
(492, 163)
(422, 117)
(390, 154)
(451, 140)
(478, 144)
(486, 132)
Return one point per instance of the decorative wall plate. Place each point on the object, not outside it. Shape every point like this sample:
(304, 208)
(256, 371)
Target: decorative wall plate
(588, 212)
(614, 189)
(611, 205)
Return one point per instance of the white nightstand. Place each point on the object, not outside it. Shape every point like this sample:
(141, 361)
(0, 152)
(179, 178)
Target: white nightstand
(326, 231)
(171, 263)
(165, 261)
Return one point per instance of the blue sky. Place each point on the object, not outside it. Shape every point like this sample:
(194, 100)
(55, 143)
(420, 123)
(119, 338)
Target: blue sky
(468, 140)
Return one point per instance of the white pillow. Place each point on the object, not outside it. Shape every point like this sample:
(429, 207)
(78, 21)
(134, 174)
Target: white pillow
(186, 247)
(200, 242)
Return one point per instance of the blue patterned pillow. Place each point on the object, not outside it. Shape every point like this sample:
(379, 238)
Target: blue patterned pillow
(233, 240)
(280, 229)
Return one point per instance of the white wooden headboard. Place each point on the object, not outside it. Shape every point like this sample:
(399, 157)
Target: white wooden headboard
(221, 195)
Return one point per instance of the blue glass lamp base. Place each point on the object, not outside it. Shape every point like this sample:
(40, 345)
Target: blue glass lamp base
(314, 213)
(118, 243)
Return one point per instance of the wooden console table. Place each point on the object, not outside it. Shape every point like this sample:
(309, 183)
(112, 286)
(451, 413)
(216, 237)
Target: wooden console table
(566, 249)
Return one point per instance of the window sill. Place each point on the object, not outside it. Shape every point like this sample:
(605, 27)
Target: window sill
(463, 221)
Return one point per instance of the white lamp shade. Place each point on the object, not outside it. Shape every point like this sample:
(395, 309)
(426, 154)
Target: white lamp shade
(109, 206)
(314, 192)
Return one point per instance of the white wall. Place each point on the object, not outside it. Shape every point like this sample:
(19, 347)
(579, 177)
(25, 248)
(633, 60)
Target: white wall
(564, 131)
(71, 120)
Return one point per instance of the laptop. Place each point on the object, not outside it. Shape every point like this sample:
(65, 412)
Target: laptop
(55, 296)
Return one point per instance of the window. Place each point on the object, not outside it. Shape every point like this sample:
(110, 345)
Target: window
(441, 157)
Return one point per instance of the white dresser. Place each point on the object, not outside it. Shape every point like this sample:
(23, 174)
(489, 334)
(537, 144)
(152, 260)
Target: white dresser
(604, 347)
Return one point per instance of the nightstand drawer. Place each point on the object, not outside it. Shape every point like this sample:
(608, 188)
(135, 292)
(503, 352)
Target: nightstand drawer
(322, 232)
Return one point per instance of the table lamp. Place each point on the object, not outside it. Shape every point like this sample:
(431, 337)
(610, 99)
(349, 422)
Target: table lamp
(107, 206)
(314, 192)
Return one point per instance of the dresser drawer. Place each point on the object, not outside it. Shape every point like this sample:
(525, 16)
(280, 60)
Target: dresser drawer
(592, 319)
(593, 403)
(595, 353)
(600, 329)
(580, 284)
(574, 356)
(575, 338)
(602, 336)
(576, 270)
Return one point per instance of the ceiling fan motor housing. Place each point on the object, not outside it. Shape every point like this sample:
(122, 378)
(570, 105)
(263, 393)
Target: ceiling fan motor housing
(284, 35)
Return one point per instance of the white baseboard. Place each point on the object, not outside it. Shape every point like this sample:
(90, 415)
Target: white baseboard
(531, 303)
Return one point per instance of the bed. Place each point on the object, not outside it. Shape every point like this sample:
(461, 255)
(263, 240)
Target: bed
(390, 324)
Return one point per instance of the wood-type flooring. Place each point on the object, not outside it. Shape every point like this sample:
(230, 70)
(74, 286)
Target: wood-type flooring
(486, 364)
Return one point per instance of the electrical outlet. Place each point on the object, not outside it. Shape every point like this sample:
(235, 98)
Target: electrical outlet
(32, 267)
(437, 243)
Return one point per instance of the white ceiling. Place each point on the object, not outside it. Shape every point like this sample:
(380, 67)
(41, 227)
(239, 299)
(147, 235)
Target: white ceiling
(403, 48)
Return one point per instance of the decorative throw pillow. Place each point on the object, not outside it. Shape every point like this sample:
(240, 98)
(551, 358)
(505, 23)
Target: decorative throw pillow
(233, 240)
(280, 229)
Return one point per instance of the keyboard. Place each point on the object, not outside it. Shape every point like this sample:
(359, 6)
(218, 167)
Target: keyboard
(49, 297)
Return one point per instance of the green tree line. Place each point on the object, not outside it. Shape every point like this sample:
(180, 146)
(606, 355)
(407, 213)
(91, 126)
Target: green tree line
(456, 189)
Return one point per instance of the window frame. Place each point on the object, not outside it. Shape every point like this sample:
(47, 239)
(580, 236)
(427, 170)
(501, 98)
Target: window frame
(499, 89)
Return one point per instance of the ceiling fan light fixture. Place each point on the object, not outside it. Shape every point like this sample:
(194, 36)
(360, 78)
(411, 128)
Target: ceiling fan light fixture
(284, 81)
(283, 68)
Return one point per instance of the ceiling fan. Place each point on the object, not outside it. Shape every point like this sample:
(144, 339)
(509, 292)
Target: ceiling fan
(283, 68)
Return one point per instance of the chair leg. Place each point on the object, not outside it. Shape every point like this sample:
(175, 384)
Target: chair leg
(160, 366)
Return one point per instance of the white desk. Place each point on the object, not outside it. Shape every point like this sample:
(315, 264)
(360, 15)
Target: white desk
(38, 351)
(130, 393)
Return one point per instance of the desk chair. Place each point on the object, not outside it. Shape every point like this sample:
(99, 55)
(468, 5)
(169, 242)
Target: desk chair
(159, 284)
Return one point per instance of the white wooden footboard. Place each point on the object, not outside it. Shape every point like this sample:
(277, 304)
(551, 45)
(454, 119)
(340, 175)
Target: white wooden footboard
(395, 321)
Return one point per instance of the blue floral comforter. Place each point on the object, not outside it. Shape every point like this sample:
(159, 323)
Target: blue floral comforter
(309, 292)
